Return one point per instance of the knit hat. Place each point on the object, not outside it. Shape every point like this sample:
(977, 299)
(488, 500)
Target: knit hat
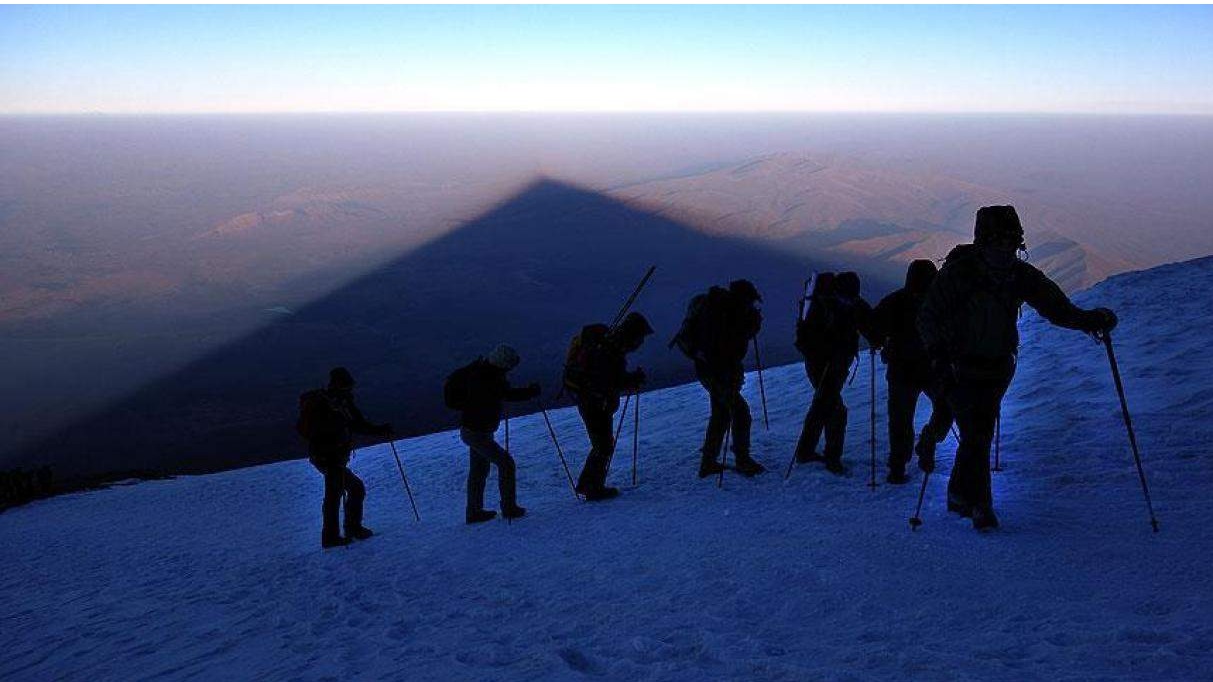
(504, 356)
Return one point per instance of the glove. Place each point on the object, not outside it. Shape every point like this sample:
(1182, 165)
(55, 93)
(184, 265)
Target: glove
(1099, 321)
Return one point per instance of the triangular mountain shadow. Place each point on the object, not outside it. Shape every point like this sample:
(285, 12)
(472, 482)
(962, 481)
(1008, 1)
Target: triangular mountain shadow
(528, 272)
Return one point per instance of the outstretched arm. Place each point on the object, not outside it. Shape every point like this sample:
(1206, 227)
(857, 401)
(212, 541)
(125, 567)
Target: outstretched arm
(1050, 301)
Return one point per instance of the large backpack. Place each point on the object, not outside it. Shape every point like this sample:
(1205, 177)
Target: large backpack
(318, 420)
(817, 332)
(579, 360)
(988, 319)
(456, 390)
(695, 335)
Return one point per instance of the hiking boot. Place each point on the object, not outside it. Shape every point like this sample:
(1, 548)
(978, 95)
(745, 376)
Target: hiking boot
(957, 505)
(834, 466)
(806, 457)
(709, 467)
(984, 519)
(897, 475)
(479, 516)
(359, 533)
(514, 512)
(747, 466)
(603, 493)
(333, 540)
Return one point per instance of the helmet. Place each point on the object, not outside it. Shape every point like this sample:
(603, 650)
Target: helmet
(998, 225)
(745, 289)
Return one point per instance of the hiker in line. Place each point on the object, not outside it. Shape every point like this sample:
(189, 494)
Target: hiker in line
(968, 326)
(329, 419)
(595, 371)
(895, 332)
(828, 338)
(479, 391)
(716, 335)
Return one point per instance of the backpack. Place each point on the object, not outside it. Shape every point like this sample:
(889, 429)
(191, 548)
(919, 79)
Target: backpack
(317, 418)
(989, 317)
(816, 333)
(583, 348)
(694, 335)
(456, 389)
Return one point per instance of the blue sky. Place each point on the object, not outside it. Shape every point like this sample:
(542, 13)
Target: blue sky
(141, 59)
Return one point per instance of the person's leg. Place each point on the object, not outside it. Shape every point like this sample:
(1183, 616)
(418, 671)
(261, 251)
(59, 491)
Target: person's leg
(975, 403)
(355, 494)
(598, 426)
(902, 402)
(936, 429)
(834, 412)
(330, 509)
(810, 433)
(478, 473)
(719, 419)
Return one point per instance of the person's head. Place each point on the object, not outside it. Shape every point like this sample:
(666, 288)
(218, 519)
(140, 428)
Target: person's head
(847, 284)
(340, 379)
(745, 290)
(823, 285)
(998, 227)
(504, 358)
(632, 331)
(920, 275)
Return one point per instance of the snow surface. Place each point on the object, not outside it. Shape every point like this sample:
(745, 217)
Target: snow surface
(222, 577)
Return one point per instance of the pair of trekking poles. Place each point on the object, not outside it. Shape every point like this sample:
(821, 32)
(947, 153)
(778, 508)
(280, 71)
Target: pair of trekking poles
(1106, 339)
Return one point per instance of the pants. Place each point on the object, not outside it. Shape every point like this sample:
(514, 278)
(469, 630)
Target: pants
(729, 410)
(483, 451)
(902, 404)
(598, 418)
(827, 413)
(976, 401)
(338, 481)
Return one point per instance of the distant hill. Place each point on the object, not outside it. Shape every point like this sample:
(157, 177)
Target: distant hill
(840, 206)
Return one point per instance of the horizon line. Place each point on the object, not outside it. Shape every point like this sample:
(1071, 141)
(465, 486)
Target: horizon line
(403, 112)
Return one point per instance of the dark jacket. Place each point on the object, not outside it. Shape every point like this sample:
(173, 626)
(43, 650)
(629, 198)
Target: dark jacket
(895, 329)
(971, 311)
(487, 391)
(334, 436)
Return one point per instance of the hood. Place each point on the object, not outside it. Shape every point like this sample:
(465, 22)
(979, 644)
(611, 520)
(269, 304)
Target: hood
(920, 275)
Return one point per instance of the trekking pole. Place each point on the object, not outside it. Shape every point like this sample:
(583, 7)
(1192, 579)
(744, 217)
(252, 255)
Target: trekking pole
(724, 453)
(635, 437)
(618, 429)
(1124, 410)
(872, 371)
(404, 478)
(998, 443)
(559, 452)
(762, 389)
(632, 299)
(916, 519)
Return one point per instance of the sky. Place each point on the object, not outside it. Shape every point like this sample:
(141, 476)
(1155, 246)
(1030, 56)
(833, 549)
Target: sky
(242, 59)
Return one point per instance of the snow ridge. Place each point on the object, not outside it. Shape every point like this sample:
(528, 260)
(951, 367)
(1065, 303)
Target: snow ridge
(221, 576)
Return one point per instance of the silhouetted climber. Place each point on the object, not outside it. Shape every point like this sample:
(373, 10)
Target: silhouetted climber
(968, 325)
(895, 331)
(479, 391)
(828, 338)
(596, 373)
(716, 335)
(329, 419)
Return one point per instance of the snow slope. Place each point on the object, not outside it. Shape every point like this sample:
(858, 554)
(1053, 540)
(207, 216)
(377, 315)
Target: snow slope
(221, 576)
